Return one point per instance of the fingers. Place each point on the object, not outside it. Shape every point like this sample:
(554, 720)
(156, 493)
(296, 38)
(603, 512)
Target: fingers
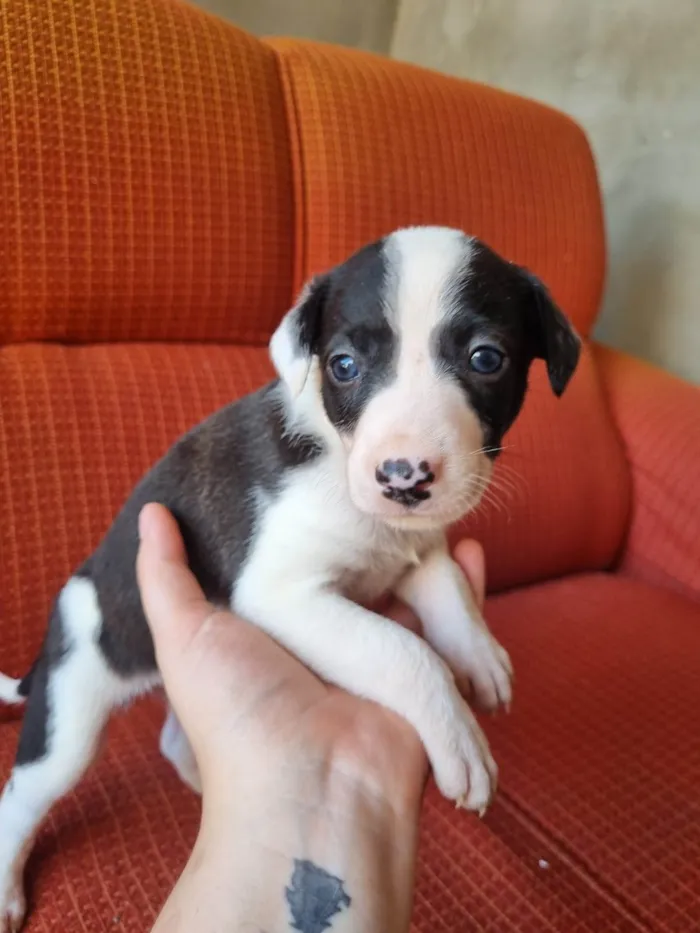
(173, 601)
(176, 607)
(399, 612)
(469, 554)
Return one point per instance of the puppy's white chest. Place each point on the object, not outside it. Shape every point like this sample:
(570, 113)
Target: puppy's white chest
(313, 535)
(378, 572)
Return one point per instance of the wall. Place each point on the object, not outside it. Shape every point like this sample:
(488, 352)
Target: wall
(629, 71)
(366, 24)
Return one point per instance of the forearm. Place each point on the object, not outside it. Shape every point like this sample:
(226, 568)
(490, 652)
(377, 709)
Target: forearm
(278, 859)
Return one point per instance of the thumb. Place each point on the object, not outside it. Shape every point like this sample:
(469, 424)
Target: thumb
(173, 601)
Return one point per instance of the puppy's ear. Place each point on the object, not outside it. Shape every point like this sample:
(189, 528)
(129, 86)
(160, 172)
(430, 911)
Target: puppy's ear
(293, 344)
(555, 340)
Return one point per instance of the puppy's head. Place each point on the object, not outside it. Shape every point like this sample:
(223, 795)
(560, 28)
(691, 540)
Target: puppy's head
(419, 346)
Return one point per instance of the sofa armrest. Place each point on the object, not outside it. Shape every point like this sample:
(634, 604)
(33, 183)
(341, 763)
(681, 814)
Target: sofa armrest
(658, 416)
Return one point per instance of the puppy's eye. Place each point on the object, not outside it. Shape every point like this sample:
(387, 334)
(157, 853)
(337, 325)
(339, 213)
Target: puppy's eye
(344, 368)
(486, 361)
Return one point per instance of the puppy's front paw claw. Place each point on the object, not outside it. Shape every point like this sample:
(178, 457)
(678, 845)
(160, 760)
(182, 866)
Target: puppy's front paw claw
(463, 805)
(12, 909)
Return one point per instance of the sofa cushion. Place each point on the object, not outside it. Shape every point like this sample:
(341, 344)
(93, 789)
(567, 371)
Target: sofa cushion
(81, 424)
(560, 496)
(595, 828)
(79, 427)
(379, 144)
(146, 175)
(600, 760)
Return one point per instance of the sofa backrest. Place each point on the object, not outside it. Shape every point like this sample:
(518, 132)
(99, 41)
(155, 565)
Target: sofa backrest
(168, 182)
(146, 178)
(379, 144)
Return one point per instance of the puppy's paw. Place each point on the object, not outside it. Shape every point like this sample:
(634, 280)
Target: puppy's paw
(485, 674)
(462, 763)
(13, 906)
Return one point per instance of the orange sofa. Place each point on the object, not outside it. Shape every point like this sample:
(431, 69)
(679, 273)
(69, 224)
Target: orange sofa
(167, 184)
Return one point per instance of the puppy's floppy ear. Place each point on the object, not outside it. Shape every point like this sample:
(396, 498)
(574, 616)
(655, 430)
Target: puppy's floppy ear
(555, 340)
(293, 344)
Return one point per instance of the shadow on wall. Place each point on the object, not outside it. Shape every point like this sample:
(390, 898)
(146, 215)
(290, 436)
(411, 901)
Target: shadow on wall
(363, 24)
(653, 235)
(634, 317)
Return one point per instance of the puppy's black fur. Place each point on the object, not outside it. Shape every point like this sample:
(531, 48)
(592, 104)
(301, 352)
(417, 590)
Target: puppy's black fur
(491, 319)
(213, 477)
(206, 481)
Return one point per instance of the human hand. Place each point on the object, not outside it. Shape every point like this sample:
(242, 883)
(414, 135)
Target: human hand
(305, 787)
(248, 707)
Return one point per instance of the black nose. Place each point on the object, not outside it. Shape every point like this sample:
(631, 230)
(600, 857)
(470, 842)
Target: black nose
(404, 481)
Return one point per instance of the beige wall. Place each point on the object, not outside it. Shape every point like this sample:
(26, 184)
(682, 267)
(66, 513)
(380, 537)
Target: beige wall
(629, 71)
(366, 24)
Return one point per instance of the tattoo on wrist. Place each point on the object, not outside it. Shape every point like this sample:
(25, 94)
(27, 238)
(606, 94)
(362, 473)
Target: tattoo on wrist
(314, 897)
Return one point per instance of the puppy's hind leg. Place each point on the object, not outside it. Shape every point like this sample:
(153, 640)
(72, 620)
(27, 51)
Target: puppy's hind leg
(71, 694)
(175, 747)
(9, 690)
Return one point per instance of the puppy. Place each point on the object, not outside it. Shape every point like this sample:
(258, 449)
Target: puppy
(399, 372)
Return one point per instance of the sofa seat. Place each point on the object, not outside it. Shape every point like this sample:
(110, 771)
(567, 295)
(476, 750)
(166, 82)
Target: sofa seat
(600, 772)
(596, 828)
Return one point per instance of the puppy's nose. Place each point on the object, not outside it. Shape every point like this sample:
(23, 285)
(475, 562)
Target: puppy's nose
(406, 480)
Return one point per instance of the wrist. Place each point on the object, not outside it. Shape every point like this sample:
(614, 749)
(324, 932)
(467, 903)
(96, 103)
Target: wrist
(325, 822)
(320, 794)
(381, 766)
(335, 815)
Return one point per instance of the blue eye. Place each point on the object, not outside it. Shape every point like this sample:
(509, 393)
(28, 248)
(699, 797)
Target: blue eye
(344, 368)
(486, 361)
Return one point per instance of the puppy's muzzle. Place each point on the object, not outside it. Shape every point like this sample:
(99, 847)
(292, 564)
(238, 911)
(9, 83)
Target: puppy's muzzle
(407, 481)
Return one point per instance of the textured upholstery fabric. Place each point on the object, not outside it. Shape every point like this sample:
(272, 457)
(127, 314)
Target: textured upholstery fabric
(145, 180)
(658, 418)
(378, 145)
(79, 426)
(595, 829)
(599, 772)
(166, 182)
(559, 499)
(110, 852)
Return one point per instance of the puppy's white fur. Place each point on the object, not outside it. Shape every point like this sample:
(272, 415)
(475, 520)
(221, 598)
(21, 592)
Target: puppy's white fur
(326, 558)
(331, 544)
(9, 690)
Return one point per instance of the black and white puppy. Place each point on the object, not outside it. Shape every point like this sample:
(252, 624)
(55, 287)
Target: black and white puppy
(399, 372)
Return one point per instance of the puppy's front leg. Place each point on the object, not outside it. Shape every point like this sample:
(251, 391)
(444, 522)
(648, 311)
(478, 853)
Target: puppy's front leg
(452, 623)
(375, 658)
